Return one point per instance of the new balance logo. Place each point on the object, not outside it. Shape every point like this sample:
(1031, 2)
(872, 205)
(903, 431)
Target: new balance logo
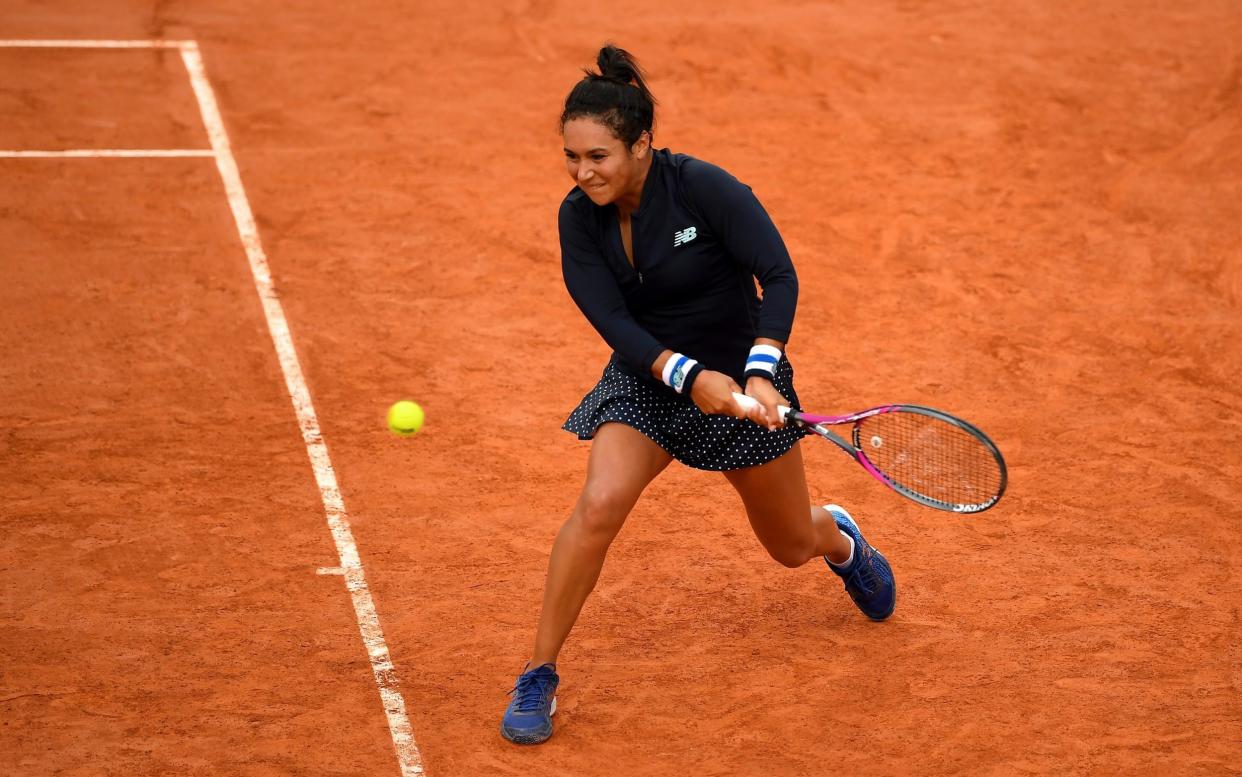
(684, 236)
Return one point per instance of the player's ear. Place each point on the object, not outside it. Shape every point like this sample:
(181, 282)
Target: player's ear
(642, 146)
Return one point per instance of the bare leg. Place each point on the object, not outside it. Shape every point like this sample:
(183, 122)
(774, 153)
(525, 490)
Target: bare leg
(776, 499)
(623, 461)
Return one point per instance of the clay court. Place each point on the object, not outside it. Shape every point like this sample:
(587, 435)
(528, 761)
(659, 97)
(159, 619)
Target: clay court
(1027, 214)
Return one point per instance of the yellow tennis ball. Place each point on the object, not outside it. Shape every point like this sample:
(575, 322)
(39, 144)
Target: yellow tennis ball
(405, 418)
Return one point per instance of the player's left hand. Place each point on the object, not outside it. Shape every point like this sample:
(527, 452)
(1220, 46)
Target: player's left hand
(762, 390)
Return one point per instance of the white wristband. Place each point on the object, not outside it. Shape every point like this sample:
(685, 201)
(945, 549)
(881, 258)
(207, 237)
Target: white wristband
(763, 360)
(675, 371)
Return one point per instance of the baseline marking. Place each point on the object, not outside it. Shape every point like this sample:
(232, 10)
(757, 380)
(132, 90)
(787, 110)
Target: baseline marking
(130, 153)
(334, 506)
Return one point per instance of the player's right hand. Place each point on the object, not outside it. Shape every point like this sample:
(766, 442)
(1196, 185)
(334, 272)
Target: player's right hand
(713, 393)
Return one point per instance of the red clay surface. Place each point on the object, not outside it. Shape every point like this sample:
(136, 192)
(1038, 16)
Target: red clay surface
(1027, 215)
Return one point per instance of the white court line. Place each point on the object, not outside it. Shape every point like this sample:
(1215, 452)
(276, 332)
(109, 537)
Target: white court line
(334, 506)
(93, 44)
(86, 153)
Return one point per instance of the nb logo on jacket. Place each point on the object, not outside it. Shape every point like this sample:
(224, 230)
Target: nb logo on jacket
(684, 236)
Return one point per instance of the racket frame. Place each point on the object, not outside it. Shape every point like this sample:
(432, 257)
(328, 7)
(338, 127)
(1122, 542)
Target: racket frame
(819, 425)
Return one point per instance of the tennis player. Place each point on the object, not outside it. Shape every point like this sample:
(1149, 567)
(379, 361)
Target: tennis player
(661, 251)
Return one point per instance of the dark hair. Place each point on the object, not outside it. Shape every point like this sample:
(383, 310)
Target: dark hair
(616, 96)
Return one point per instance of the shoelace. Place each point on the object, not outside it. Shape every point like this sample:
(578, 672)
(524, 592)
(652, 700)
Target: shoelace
(531, 690)
(865, 575)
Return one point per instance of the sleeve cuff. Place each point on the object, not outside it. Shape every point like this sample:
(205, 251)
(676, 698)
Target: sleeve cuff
(650, 356)
(781, 335)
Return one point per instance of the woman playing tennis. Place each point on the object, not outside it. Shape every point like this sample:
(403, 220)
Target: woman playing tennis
(661, 251)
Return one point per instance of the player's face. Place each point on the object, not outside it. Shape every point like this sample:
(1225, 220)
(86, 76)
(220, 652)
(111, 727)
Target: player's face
(599, 161)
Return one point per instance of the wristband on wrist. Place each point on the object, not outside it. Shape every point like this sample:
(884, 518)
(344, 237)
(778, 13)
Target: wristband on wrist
(762, 361)
(680, 371)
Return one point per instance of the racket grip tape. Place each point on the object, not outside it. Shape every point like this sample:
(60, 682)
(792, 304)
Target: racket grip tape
(746, 403)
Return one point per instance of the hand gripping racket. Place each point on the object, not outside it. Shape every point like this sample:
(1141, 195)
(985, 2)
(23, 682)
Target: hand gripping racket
(923, 454)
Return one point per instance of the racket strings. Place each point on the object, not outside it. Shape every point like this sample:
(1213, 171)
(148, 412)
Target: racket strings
(930, 456)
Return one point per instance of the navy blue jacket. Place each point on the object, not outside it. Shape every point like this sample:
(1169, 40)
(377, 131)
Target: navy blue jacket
(700, 240)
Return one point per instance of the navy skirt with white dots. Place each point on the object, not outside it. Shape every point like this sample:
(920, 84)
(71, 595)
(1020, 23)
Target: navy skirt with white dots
(675, 423)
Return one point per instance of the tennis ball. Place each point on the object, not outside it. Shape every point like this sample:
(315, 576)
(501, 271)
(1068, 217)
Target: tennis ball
(405, 418)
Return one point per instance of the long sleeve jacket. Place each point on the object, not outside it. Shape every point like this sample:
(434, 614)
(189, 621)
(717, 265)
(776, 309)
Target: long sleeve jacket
(700, 240)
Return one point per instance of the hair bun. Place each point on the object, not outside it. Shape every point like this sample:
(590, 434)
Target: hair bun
(616, 64)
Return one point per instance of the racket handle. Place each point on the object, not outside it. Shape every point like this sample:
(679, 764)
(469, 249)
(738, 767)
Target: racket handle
(746, 403)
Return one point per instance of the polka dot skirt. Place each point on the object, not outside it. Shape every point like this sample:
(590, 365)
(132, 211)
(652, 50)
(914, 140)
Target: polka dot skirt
(711, 442)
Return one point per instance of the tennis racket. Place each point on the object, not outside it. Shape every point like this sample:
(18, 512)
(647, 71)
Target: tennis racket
(923, 454)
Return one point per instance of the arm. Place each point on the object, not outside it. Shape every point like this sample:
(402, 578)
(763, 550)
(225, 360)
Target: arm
(744, 227)
(739, 221)
(595, 291)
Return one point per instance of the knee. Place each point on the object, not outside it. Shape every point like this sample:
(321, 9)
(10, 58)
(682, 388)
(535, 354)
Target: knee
(601, 511)
(792, 553)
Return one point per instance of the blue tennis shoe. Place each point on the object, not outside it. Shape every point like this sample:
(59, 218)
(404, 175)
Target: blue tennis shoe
(868, 578)
(528, 721)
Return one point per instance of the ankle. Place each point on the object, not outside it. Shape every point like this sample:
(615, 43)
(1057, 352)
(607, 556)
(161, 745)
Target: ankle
(843, 553)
